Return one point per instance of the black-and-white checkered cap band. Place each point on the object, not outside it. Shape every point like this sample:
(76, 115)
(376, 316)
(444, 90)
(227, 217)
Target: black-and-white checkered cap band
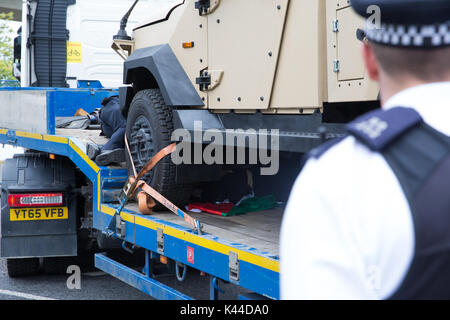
(411, 36)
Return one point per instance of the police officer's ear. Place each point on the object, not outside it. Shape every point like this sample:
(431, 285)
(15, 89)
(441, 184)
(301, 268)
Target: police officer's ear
(371, 62)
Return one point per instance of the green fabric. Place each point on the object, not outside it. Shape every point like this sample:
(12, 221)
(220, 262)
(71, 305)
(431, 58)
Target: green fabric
(252, 205)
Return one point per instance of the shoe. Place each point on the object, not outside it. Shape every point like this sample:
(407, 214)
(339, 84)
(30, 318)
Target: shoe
(92, 150)
(110, 156)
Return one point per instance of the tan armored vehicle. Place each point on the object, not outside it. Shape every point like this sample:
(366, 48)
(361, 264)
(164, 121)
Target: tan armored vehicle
(290, 65)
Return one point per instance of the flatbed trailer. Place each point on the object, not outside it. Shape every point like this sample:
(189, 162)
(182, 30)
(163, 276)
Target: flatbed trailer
(242, 250)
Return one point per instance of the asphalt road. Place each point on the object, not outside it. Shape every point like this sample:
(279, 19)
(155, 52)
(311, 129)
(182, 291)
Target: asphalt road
(96, 285)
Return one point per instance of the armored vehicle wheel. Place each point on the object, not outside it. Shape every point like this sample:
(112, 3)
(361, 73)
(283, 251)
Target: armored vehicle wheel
(149, 129)
(22, 267)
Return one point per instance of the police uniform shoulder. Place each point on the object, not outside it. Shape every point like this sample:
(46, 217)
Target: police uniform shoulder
(377, 129)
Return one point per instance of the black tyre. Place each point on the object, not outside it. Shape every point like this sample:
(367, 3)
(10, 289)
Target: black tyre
(57, 265)
(149, 129)
(22, 267)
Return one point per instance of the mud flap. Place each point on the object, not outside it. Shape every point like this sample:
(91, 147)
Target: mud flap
(49, 232)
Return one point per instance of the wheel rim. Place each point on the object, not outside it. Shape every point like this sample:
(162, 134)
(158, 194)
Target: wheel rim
(141, 144)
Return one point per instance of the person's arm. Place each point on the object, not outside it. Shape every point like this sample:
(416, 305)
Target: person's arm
(319, 253)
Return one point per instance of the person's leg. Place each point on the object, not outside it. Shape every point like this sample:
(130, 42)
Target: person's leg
(117, 140)
(113, 126)
(113, 151)
(111, 117)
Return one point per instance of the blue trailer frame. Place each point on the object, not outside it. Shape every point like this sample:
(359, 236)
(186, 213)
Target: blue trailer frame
(258, 271)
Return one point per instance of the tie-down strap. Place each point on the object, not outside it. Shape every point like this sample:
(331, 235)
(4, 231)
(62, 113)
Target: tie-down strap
(147, 195)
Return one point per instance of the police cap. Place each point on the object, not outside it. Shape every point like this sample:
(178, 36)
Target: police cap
(423, 24)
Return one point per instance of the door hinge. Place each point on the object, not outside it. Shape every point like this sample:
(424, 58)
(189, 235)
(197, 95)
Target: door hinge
(206, 7)
(336, 25)
(336, 66)
(233, 264)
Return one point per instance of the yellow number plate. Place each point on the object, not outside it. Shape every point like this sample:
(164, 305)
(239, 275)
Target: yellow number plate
(29, 214)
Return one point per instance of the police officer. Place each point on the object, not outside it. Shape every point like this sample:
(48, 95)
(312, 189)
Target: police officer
(369, 215)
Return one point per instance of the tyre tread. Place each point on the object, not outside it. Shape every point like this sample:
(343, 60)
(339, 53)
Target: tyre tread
(22, 267)
(167, 186)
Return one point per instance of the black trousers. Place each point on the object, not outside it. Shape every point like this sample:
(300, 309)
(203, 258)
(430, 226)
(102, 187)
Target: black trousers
(113, 124)
(116, 141)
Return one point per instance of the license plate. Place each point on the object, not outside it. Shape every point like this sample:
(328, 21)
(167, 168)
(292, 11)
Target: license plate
(30, 214)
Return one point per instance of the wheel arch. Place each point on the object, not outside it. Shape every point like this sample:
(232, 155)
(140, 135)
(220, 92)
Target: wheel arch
(157, 67)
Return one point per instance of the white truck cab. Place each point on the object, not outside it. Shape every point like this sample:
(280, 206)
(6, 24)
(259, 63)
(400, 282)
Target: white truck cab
(69, 42)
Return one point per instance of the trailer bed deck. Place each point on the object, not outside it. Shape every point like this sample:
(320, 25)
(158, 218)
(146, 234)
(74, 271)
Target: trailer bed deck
(259, 230)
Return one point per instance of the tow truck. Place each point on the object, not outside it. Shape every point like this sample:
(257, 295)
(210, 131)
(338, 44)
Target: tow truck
(55, 199)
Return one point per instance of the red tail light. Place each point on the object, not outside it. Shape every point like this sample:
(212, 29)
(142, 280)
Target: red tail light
(35, 200)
